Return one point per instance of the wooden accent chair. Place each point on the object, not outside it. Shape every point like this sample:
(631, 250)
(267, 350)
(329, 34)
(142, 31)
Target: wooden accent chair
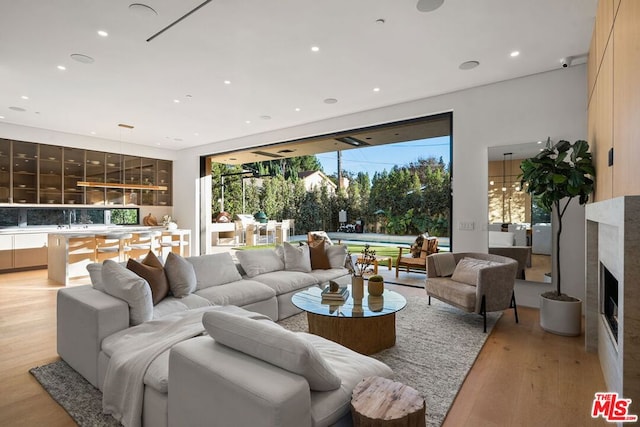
(429, 246)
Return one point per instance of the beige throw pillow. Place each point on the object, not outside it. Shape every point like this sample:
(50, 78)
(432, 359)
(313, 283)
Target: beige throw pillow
(467, 270)
(296, 258)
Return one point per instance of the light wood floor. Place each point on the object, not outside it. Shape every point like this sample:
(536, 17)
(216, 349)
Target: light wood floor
(522, 377)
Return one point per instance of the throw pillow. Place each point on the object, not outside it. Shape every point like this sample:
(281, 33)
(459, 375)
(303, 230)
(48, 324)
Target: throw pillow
(467, 270)
(214, 269)
(128, 286)
(151, 270)
(337, 255)
(296, 258)
(318, 254)
(416, 247)
(95, 273)
(181, 275)
(260, 261)
(273, 344)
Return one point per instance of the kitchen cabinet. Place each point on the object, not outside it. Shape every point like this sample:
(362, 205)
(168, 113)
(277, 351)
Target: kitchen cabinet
(32, 173)
(23, 250)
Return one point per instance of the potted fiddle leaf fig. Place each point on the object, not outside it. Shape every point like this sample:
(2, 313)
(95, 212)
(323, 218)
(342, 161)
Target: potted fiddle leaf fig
(556, 176)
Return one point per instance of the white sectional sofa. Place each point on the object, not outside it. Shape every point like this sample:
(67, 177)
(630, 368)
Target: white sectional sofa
(90, 319)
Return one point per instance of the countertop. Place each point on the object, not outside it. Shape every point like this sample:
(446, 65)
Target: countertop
(76, 230)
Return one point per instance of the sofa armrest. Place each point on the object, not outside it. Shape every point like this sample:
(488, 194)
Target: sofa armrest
(210, 383)
(85, 317)
(496, 283)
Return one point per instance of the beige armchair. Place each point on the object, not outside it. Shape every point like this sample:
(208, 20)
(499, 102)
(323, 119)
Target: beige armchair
(475, 287)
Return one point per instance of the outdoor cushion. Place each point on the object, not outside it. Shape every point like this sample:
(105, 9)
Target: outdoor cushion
(214, 269)
(259, 261)
(128, 286)
(272, 343)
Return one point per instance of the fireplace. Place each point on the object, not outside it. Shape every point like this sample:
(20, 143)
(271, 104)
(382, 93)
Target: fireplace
(610, 301)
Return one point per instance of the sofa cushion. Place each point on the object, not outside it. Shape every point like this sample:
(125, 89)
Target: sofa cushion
(214, 269)
(181, 275)
(323, 276)
(128, 286)
(287, 281)
(95, 273)
(273, 344)
(171, 305)
(337, 255)
(351, 368)
(455, 293)
(296, 258)
(467, 270)
(238, 293)
(259, 261)
(318, 255)
(151, 270)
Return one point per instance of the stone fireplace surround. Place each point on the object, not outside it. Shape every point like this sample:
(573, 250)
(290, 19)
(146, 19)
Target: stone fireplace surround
(613, 240)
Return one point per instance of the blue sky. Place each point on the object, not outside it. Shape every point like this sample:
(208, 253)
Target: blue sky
(378, 158)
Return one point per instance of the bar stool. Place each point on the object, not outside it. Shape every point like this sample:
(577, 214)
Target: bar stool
(143, 242)
(176, 241)
(113, 246)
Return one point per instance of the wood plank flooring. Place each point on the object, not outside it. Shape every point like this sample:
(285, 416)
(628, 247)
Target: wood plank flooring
(522, 377)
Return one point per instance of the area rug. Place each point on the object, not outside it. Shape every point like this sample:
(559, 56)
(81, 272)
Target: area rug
(436, 345)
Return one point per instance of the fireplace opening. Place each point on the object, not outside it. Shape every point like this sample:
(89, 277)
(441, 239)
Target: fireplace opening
(610, 301)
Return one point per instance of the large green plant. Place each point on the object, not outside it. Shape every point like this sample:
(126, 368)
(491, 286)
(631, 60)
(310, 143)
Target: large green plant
(557, 175)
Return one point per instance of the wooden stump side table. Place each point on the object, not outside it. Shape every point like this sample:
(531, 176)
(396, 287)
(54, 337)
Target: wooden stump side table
(380, 402)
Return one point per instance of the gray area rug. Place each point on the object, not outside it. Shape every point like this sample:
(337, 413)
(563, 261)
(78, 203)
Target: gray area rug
(435, 348)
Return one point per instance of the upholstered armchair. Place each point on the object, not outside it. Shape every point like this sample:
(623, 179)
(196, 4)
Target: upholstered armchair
(473, 282)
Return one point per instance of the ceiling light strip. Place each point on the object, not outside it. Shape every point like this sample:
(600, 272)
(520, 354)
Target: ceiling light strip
(121, 185)
(177, 20)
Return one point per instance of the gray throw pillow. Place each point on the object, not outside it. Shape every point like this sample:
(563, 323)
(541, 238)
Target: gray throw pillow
(272, 343)
(181, 275)
(297, 258)
(260, 261)
(214, 269)
(337, 255)
(128, 286)
(95, 273)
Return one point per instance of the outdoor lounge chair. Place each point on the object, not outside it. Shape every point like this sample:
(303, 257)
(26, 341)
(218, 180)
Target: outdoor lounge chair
(429, 246)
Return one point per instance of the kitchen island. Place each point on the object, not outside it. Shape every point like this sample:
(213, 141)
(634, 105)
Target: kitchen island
(70, 251)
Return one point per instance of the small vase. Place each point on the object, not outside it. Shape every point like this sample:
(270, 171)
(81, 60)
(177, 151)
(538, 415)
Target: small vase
(375, 288)
(357, 288)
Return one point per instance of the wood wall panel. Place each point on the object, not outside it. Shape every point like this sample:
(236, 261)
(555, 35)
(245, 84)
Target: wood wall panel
(604, 127)
(626, 99)
(592, 69)
(604, 23)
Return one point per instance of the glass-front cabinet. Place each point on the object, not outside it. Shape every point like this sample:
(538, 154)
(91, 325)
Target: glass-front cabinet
(32, 173)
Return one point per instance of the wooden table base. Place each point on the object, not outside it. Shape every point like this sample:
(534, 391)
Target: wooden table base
(380, 402)
(366, 335)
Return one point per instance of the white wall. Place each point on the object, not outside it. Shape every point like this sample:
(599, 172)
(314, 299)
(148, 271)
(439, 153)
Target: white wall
(515, 111)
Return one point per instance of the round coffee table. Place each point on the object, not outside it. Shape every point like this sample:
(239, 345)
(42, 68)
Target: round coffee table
(366, 326)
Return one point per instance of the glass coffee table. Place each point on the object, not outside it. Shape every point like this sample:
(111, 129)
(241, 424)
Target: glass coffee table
(366, 326)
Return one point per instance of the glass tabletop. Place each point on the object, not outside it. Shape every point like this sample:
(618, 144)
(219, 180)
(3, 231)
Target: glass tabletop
(310, 300)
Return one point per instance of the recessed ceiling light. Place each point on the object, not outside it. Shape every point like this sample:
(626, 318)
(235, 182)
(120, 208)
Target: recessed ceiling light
(265, 117)
(24, 97)
(92, 133)
(468, 65)
(376, 89)
(196, 134)
(84, 59)
(62, 67)
(297, 109)
(22, 110)
(428, 5)
(177, 101)
(1, 117)
(539, 142)
(102, 33)
(330, 101)
(247, 121)
(315, 49)
(227, 82)
(514, 53)
(142, 10)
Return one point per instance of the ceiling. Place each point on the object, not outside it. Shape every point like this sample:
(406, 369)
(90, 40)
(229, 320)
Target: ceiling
(172, 89)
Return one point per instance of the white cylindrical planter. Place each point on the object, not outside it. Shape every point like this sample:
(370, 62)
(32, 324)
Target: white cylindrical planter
(357, 289)
(561, 317)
